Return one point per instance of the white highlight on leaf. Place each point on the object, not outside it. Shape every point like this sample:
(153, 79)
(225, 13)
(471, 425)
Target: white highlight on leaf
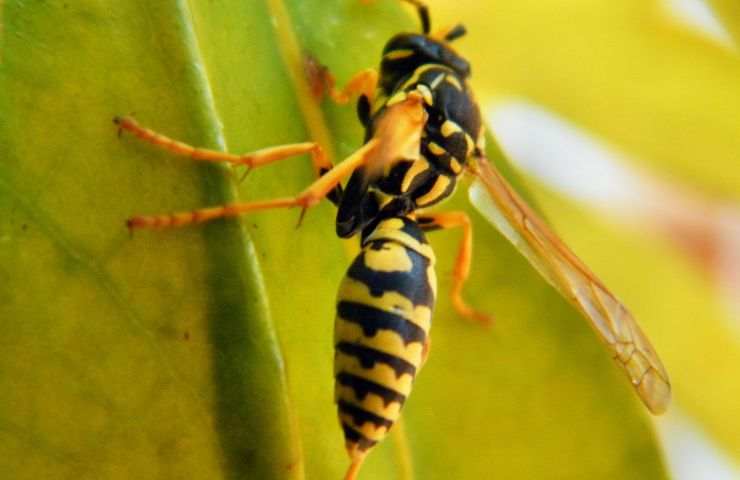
(561, 155)
(698, 14)
(571, 161)
(691, 454)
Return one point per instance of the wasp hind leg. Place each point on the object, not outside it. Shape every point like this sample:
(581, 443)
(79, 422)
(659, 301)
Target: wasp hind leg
(325, 186)
(440, 221)
(354, 467)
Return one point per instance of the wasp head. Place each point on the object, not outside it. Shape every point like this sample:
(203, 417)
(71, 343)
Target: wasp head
(405, 52)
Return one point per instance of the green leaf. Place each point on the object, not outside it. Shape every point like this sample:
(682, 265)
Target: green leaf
(206, 352)
(127, 357)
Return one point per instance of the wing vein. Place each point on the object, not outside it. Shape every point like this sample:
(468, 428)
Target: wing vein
(611, 320)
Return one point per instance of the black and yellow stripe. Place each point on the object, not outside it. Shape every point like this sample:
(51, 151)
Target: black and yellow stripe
(384, 312)
(385, 302)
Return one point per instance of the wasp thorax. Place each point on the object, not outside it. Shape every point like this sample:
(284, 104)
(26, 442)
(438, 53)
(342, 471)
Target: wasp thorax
(405, 52)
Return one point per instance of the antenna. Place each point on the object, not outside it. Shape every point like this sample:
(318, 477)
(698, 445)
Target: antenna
(423, 12)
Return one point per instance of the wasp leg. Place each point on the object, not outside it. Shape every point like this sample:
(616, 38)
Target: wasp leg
(254, 159)
(438, 221)
(322, 81)
(354, 467)
(306, 199)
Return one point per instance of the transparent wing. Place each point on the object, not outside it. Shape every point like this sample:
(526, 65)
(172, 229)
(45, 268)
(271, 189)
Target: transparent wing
(630, 348)
(398, 131)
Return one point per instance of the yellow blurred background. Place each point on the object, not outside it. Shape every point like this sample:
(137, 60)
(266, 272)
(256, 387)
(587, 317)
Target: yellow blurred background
(625, 118)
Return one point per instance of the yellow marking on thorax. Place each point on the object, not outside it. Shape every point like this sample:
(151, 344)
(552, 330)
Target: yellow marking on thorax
(418, 167)
(414, 78)
(452, 80)
(437, 80)
(436, 149)
(397, 97)
(470, 145)
(440, 185)
(379, 101)
(450, 128)
(426, 94)
(391, 257)
(382, 198)
(455, 165)
(398, 54)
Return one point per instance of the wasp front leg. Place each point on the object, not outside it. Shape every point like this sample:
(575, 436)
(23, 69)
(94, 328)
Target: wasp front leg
(321, 188)
(439, 221)
(322, 82)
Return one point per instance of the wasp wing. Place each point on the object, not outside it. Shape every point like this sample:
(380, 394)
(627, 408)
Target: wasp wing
(396, 135)
(616, 326)
(398, 130)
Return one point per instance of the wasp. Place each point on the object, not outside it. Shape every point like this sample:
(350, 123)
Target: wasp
(423, 131)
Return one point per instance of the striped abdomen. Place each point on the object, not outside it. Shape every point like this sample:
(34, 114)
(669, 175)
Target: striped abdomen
(384, 312)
